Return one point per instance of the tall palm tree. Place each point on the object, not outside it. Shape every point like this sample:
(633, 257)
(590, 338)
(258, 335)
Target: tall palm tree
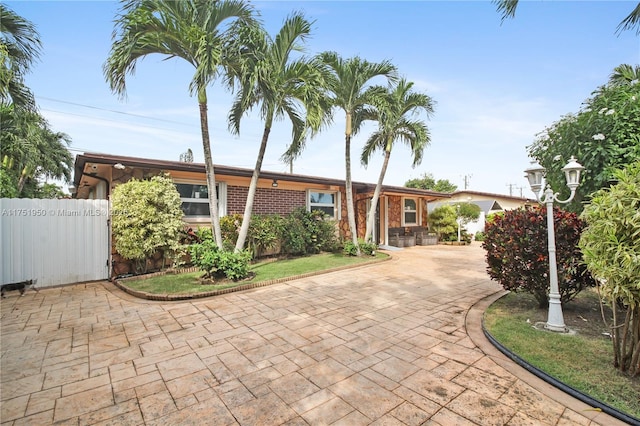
(395, 114)
(346, 83)
(20, 47)
(197, 31)
(282, 86)
(624, 74)
(507, 8)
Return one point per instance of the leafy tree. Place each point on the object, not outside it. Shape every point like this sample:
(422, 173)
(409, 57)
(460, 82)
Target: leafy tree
(347, 84)
(467, 212)
(197, 31)
(611, 249)
(282, 86)
(507, 8)
(427, 181)
(604, 136)
(20, 46)
(149, 218)
(518, 256)
(394, 114)
(625, 74)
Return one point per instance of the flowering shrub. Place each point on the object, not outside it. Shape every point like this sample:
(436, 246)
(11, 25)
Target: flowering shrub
(517, 253)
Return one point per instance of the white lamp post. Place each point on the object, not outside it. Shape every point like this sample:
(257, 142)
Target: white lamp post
(555, 320)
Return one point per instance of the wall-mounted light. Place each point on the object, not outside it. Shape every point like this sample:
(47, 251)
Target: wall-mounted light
(274, 183)
(119, 166)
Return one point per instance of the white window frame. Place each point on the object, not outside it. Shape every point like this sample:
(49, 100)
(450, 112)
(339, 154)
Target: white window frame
(222, 199)
(416, 211)
(336, 206)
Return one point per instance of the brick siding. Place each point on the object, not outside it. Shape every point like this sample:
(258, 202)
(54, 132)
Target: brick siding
(267, 200)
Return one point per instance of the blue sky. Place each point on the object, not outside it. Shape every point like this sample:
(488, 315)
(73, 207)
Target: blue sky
(495, 85)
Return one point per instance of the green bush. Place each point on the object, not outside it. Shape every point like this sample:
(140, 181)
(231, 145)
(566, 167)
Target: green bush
(308, 233)
(517, 253)
(147, 218)
(611, 247)
(368, 249)
(218, 263)
(265, 232)
(480, 236)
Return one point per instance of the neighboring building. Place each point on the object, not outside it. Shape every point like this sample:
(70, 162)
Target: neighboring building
(278, 193)
(488, 203)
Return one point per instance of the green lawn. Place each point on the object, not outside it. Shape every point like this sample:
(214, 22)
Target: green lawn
(268, 270)
(582, 361)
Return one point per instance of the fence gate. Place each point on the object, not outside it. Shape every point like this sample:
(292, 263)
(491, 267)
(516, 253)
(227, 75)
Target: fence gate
(54, 241)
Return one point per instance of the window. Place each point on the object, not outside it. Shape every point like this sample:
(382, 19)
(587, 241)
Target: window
(195, 199)
(327, 202)
(409, 211)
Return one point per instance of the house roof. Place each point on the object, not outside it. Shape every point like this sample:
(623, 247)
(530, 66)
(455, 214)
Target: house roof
(492, 195)
(486, 206)
(361, 187)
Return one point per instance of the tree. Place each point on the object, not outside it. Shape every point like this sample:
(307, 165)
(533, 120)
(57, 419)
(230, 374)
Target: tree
(149, 218)
(467, 212)
(611, 248)
(604, 136)
(197, 31)
(30, 150)
(346, 84)
(427, 181)
(394, 113)
(625, 74)
(282, 86)
(20, 46)
(507, 8)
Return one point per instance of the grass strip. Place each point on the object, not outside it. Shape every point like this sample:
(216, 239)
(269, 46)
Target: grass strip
(584, 363)
(267, 270)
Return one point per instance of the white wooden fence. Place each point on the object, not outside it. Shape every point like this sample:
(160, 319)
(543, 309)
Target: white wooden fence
(54, 241)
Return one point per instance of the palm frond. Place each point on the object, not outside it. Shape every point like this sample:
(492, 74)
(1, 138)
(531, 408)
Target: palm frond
(631, 21)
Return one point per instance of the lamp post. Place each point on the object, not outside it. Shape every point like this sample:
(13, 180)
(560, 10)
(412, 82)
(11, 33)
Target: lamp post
(555, 320)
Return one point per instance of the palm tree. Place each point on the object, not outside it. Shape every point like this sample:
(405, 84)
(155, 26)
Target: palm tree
(624, 74)
(197, 31)
(30, 149)
(282, 87)
(347, 86)
(394, 114)
(507, 8)
(20, 46)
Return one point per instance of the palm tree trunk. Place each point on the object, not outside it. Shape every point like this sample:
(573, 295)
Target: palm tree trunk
(208, 165)
(376, 196)
(253, 186)
(351, 215)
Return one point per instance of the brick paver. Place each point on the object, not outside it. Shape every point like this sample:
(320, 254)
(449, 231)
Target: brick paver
(395, 343)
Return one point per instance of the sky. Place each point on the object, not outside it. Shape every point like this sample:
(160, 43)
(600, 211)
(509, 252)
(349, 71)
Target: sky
(495, 84)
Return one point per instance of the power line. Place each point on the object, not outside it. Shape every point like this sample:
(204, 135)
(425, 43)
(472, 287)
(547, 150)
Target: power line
(116, 112)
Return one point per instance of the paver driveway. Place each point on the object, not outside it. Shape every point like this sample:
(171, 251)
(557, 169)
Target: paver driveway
(382, 344)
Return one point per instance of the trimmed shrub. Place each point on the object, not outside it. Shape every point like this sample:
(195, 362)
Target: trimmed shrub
(518, 257)
(148, 219)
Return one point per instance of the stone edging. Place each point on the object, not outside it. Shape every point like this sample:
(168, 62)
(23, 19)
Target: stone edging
(186, 296)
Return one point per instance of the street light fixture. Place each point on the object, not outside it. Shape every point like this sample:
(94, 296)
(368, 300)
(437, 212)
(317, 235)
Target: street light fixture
(535, 173)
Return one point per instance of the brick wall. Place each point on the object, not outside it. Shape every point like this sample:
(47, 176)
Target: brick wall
(267, 200)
